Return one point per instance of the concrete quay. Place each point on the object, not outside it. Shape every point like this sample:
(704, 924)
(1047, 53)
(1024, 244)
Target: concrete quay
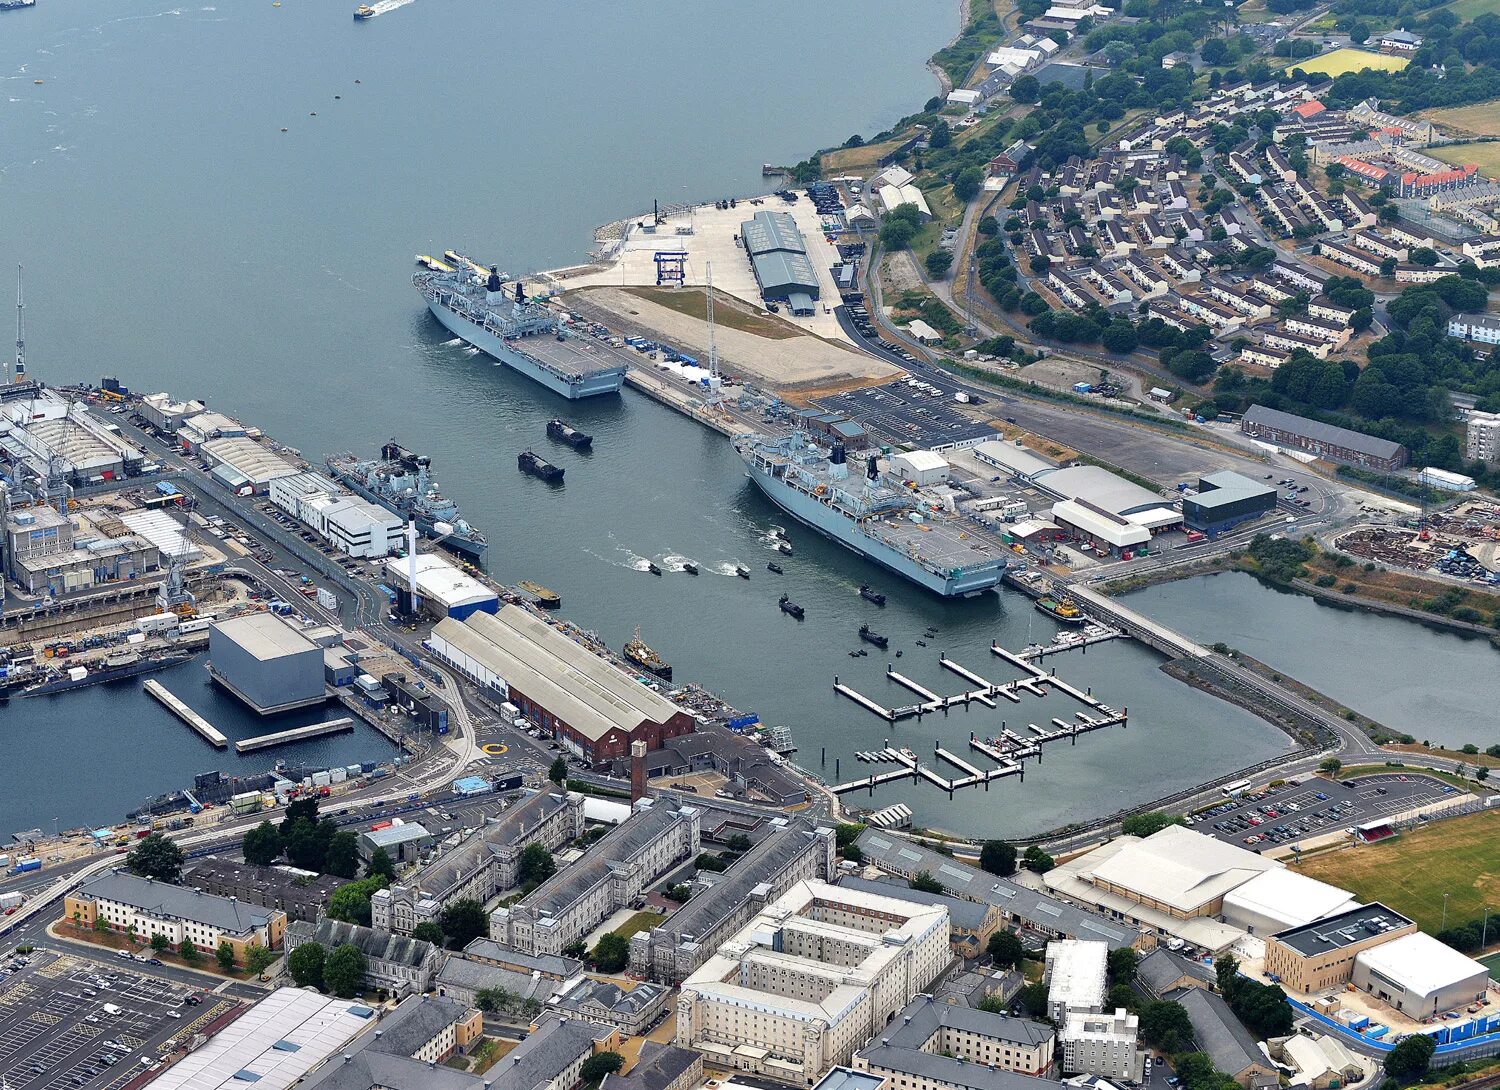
(209, 732)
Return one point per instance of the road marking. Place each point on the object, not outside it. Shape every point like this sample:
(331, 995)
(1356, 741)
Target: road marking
(44, 1018)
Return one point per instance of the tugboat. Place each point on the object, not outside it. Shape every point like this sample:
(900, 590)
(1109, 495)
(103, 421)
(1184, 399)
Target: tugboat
(638, 653)
(791, 608)
(564, 433)
(531, 462)
(875, 638)
(690, 567)
(871, 595)
(539, 594)
(364, 11)
(1061, 610)
(774, 567)
(742, 571)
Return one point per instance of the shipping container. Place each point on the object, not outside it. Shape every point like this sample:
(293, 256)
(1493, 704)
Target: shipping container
(24, 865)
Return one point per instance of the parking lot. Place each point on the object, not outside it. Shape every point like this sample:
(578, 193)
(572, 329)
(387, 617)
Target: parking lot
(68, 1023)
(912, 412)
(1274, 816)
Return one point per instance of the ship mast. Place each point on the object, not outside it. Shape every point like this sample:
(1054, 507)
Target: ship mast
(20, 371)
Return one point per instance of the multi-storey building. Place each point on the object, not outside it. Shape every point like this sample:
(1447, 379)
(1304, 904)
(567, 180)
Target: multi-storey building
(809, 979)
(1102, 1044)
(125, 902)
(937, 1046)
(612, 873)
(486, 864)
(1482, 437)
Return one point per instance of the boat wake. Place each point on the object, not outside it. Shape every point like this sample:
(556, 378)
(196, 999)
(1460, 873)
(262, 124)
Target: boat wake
(453, 343)
(676, 563)
(381, 7)
(725, 569)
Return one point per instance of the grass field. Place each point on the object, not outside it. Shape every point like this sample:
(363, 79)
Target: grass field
(1469, 9)
(1350, 60)
(641, 921)
(1492, 963)
(1481, 119)
(1486, 156)
(727, 312)
(1411, 873)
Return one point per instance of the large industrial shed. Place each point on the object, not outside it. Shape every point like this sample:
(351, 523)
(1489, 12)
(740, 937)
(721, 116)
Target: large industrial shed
(778, 255)
(1226, 499)
(594, 709)
(266, 663)
(1114, 494)
(1420, 976)
(442, 589)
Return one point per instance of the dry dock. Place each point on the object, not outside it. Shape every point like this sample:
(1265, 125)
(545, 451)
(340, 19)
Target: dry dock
(209, 732)
(295, 734)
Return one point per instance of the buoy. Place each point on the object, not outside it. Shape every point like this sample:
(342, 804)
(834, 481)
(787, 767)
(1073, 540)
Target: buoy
(313, 114)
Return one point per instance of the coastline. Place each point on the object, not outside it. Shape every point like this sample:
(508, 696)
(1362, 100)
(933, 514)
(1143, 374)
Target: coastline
(945, 85)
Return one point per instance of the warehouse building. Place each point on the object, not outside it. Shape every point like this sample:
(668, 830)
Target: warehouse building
(266, 663)
(1319, 957)
(164, 413)
(594, 709)
(442, 589)
(1324, 440)
(1226, 499)
(1420, 976)
(1111, 493)
(920, 467)
(52, 435)
(778, 254)
(165, 532)
(1276, 900)
(239, 462)
(49, 553)
(811, 978)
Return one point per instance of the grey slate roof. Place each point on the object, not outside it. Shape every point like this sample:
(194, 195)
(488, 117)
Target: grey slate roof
(623, 843)
(385, 1061)
(658, 1066)
(766, 859)
(610, 996)
(968, 915)
(551, 1047)
(1161, 969)
(177, 902)
(1323, 433)
(950, 1071)
(1218, 1032)
(450, 868)
(548, 964)
(1035, 910)
(458, 972)
(924, 1016)
(376, 945)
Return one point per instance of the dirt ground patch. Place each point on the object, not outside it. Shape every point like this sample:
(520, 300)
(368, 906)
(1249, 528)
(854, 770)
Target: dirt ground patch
(864, 160)
(728, 312)
(1480, 119)
(901, 273)
(780, 363)
(704, 783)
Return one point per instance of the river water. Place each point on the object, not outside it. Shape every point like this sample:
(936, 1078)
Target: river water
(1435, 685)
(175, 237)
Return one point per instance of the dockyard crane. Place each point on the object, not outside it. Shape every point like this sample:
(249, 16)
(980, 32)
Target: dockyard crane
(715, 382)
(20, 372)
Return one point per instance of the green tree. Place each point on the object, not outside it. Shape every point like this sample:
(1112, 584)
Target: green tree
(846, 833)
(305, 964)
(156, 857)
(428, 931)
(344, 970)
(258, 958)
(1121, 964)
(1425, 256)
(611, 953)
(1122, 996)
(998, 857)
(1153, 821)
(575, 950)
(463, 921)
(351, 901)
(303, 809)
(225, 956)
(536, 866)
(1025, 89)
(1037, 860)
(940, 135)
(896, 234)
(381, 866)
(1005, 949)
(262, 845)
(1119, 336)
(342, 857)
(1033, 999)
(1331, 766)
(709, 861)
(188, 952)
(1411, 1056)
(938, 263)
(558, 772)
(739, 843)
(925, 883)
(1388, 266)
(598, 1065)
(1166, 1025)
(967, 185)
(160, 942)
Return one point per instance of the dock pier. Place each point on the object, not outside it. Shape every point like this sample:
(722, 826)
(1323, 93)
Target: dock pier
(209, 732)
(295, 734)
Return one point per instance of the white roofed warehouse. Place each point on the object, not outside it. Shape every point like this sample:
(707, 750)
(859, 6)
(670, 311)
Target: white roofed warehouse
(442, 589)
(1420, 976)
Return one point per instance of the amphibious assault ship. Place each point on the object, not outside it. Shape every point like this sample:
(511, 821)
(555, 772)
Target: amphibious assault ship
(400, 482)
(907, 532)
(498, 321)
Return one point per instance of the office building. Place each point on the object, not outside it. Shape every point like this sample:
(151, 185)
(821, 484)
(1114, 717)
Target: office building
(632, 1011)
(147, 907)
(1075, 973)
(659, 1067)
(1224, 500)
(934, 1046)
(301, 894)
(811, 978)
(1102, 1044)
(1323, 440)
(1319, 956)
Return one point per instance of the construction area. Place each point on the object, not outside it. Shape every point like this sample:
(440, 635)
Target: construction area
(1463, 543)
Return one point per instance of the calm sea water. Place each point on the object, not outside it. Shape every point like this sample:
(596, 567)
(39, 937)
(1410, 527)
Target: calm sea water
(175, 237)
(1434, 685)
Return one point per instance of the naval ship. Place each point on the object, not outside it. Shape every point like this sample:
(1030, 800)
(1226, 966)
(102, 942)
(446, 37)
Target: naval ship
(482, 312)
(399, 481)
(875, 517)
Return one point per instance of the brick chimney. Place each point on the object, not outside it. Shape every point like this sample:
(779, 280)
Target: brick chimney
(637, 771)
